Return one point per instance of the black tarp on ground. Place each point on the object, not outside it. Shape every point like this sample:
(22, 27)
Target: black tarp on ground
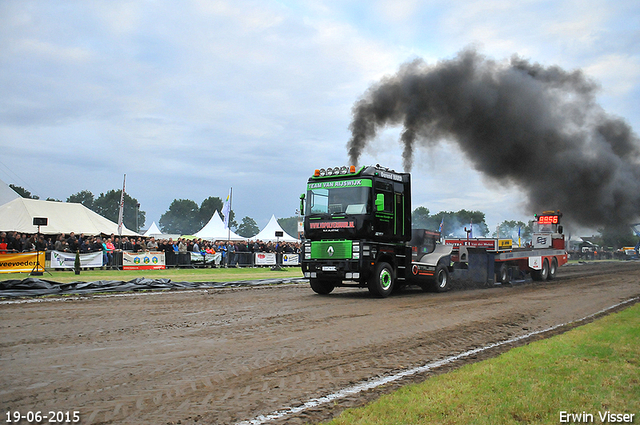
(35, 287)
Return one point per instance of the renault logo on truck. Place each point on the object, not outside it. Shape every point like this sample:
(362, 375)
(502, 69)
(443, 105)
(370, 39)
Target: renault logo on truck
(330, 251)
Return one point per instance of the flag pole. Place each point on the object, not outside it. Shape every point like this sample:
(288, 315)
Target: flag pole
(229, 218)
(121, 209)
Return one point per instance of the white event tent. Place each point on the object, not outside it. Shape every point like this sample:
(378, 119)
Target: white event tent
(156, 233)
(152, 230)
(63, 217)
(268, 234)
(7, 194)
(214, 231)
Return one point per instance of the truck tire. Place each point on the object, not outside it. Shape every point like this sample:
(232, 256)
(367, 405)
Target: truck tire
(543, 274)
(381, 282)
(322, 287)
(503, 274)
(553, 269)
(441, 282)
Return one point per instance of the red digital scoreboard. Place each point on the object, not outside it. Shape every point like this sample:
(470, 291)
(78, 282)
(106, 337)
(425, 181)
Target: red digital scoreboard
(548, 219)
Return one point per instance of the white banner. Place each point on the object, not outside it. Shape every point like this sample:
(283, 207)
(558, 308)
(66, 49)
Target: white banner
(290, 259)
(265, 259)
(143, 260)
(66, 260)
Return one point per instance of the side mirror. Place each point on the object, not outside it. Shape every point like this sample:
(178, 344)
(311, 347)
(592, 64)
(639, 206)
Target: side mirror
(302, 204)
(380, 202)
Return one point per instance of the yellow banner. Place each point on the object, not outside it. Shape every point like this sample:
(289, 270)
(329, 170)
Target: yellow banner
(23, 262)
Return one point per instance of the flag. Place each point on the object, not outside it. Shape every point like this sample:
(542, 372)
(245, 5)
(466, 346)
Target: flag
(226, 210)
(441, 224)
(518, 236)
(121, 212)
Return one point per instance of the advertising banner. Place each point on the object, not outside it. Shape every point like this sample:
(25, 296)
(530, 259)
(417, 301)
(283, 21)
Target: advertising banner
(265, 259)
(197, 257)
(143, 260)
(66, 260)
(290, 259)
(22, 262)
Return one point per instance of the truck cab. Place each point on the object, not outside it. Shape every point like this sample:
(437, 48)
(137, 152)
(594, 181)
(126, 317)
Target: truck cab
(357, 222)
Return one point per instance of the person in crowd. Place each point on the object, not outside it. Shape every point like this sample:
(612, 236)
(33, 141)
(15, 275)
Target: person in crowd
(152, 245)
(96, 244)
(4, 243)
(72, 242)
(40, 244)
(16, 244)
(139, 245)
(60, 244)
(126, 244)
(108, 250)
(30, 244)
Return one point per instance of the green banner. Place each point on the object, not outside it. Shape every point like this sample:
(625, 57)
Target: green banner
(340, 184)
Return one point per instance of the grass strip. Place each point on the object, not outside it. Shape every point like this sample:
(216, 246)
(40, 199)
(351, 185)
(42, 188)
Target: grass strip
(176, 275)
(592, 369)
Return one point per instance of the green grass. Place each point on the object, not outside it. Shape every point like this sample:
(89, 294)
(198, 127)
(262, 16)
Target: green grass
(593, 368)
(176, 275)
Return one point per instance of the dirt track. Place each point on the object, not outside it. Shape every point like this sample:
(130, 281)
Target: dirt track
(223, 356)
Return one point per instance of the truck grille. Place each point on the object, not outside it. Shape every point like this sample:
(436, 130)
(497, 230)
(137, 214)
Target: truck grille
(335, 250)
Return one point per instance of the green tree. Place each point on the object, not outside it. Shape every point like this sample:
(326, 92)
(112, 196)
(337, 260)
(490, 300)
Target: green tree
(509, 229)
(83, 197)
(108, 206)
(207, 208)
(183, 217)
(290, 225)
(420, 218)
(23, 192)
(453, 222)
(248, 228)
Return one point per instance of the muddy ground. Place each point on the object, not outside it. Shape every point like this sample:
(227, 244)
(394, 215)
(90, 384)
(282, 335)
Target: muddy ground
(223, 356)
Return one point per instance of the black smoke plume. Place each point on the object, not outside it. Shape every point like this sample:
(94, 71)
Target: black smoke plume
(519, 123)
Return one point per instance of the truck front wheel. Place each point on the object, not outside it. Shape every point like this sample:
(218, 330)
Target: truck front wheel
(322, 287)
(381, 283)
(441, 282)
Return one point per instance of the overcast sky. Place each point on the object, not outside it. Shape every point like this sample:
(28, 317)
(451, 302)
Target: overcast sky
(190, 98)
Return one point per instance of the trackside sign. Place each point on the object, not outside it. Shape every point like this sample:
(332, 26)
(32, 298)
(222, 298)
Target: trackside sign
(20, 262)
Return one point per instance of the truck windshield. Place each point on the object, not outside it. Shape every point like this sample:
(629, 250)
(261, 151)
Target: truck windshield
(338, 200)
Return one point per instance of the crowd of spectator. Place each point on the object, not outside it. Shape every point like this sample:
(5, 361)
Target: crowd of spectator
(108, 245)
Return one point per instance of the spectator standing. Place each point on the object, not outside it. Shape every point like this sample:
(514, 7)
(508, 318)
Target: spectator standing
(152, 245)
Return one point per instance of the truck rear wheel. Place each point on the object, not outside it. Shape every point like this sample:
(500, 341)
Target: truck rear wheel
(553, 269)
(322, 287)
(381, 283)
(503, 274)
(542, 274)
